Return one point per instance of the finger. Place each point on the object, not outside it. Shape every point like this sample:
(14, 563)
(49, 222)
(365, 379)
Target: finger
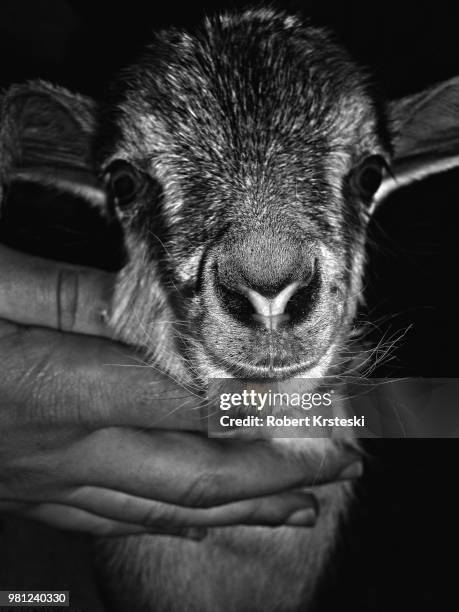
(61, 516)
(90, 382)
(291, 508)
(36, 291)
(190, 470)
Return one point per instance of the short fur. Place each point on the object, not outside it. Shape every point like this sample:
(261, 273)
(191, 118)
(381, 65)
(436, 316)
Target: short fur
(250, 130)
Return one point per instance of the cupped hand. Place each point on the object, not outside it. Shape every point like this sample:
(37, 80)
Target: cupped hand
(90, 440)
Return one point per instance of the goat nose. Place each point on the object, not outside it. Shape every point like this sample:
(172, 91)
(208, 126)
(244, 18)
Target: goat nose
(271, 303)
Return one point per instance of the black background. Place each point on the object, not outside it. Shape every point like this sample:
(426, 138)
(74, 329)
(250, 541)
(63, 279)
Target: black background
(399, 550)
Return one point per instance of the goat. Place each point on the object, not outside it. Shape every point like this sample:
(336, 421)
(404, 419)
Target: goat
(243, 161)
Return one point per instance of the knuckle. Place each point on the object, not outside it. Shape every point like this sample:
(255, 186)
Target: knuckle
(83, 300)
(206, 490)
(67, 299)
(255, 511)
(157, 516)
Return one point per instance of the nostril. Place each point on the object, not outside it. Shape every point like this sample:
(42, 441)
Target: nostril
(236, 304)
(272, 309)
(302, 301)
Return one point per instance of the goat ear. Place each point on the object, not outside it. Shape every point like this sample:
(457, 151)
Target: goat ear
(46, 137)
(425, 135)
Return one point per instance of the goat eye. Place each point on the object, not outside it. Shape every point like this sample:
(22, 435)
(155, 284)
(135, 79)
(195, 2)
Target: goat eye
(367, 177)
(124, 182)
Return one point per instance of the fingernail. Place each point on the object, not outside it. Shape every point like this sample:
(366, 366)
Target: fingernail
(189, 533)
(306, 517)
(351, 471)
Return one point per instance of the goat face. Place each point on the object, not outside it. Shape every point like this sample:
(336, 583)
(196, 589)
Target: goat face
(245, 159)
(243, 162)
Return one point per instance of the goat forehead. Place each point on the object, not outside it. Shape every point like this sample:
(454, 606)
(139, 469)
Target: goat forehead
(204, 128)
(242, 84)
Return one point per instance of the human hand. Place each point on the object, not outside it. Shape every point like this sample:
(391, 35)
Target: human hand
(91, 441)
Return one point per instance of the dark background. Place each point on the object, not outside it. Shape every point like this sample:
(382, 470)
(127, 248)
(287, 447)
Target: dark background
(399, 550)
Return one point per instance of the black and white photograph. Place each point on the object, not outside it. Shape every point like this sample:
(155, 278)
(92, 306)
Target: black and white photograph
(229, 306)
